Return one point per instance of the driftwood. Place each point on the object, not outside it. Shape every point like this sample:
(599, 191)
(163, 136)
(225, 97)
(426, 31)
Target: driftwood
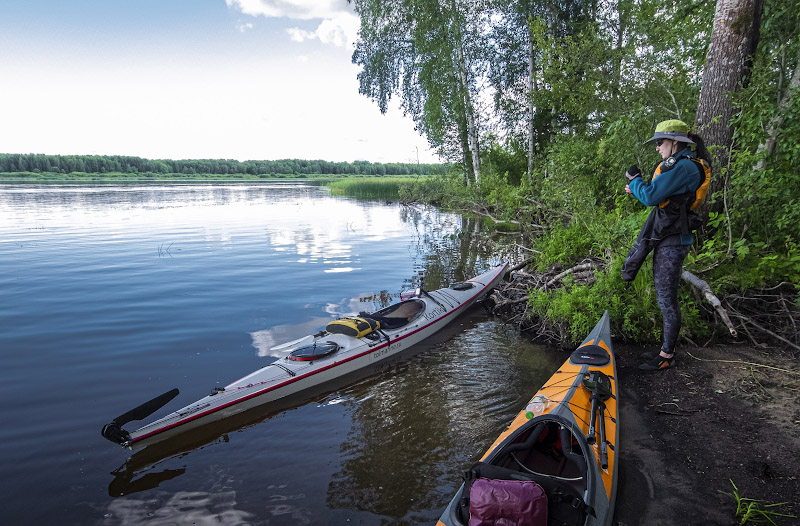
(705, 289)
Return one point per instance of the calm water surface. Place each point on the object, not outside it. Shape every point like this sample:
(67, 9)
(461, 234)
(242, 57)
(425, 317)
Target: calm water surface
(110, 295)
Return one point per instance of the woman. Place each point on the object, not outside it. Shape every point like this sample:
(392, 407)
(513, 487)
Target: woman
(678, 185)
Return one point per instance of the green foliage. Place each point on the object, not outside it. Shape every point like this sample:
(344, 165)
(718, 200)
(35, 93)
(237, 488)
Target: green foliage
(509, 159)
(593, 83)
(576, 176)
(632, 307)
(446, 191)
(577, 308)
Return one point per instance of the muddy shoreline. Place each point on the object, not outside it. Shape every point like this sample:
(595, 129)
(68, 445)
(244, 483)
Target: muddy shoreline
(725, 413)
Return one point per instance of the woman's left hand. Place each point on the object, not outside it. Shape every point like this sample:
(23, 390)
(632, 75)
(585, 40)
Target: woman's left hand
(628, 188)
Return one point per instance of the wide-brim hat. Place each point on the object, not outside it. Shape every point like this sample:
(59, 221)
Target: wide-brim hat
(673, 130)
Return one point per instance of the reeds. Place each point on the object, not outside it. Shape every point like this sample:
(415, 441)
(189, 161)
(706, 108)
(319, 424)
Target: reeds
(370, 187)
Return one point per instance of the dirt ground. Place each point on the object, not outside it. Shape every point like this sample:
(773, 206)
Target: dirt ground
(725, 413)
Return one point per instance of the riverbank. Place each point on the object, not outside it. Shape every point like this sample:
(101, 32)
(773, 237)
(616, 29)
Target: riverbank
(727, 413)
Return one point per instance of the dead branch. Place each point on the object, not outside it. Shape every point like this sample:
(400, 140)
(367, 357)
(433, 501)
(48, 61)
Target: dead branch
(705, 289)
(482, 211)
(583, 266)
(527, 249)
(521, 265)
(762, 329)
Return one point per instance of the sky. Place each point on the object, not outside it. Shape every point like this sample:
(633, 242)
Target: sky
(192, 79)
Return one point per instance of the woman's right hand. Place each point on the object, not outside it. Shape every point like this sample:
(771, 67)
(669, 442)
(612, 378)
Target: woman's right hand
(633, 172)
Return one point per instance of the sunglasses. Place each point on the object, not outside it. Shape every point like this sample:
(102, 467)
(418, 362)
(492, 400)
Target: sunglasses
(659, 142)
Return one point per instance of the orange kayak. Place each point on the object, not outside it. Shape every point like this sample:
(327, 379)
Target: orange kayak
(556, 463)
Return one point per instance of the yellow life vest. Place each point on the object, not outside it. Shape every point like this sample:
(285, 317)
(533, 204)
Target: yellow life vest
(702, 190)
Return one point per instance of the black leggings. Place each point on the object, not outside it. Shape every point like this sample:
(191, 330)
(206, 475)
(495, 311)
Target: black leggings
(667, 269)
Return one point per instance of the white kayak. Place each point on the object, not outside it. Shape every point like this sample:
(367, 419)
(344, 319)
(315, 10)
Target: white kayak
(345, 347)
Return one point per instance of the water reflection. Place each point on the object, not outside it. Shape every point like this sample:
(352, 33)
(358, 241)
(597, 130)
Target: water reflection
(415, 429)
(293, 218)
(181, 508)
(265, 340)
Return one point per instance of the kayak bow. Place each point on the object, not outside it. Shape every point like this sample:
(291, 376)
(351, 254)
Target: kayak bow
(564, 442)
(314, 360)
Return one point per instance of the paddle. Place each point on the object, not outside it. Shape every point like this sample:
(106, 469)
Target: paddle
(113, 431)
(597, 383)
(603, 444)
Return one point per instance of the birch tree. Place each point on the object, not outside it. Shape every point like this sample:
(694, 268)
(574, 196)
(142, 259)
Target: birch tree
(428, 54)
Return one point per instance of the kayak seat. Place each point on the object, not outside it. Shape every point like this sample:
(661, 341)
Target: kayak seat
(399, 314)
(591, 355)
(541, 451)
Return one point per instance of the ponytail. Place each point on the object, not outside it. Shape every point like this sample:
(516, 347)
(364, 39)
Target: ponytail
(700, 150)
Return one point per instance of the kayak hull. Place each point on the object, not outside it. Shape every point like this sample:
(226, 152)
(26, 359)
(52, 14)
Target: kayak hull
(561, 412)
(286, 377)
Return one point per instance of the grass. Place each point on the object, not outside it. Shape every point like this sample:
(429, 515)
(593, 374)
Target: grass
(752, 510)
(370, 187)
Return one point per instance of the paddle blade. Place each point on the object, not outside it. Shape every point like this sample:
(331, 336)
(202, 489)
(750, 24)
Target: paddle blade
(147, 408)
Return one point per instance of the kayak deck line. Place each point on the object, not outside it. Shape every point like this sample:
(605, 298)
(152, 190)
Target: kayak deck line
(300, 373)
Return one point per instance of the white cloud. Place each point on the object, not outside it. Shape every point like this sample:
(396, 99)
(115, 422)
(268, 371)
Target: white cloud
(298, 9)
(242, 27)
(339, 26)
(299, 35)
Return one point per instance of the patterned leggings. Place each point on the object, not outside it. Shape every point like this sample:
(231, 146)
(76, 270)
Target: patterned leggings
(667, 268)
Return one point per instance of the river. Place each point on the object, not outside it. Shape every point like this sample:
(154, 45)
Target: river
(112, 294)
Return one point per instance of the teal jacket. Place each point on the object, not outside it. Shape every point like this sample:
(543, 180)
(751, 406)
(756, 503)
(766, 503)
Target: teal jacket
(683, 177)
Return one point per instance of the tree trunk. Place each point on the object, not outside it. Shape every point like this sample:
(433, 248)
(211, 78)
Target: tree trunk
(733, 40)
(622, 27)
(466, 158)
(531, 107)
(469, 113)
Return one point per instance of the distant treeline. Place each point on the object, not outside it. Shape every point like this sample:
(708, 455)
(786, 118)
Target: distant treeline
(67, 164)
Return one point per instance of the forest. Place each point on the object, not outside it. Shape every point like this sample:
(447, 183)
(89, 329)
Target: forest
(542, 106)
(106, 164)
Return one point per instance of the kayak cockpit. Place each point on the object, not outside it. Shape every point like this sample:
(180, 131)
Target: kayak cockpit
(399, 315)
(535, 454)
